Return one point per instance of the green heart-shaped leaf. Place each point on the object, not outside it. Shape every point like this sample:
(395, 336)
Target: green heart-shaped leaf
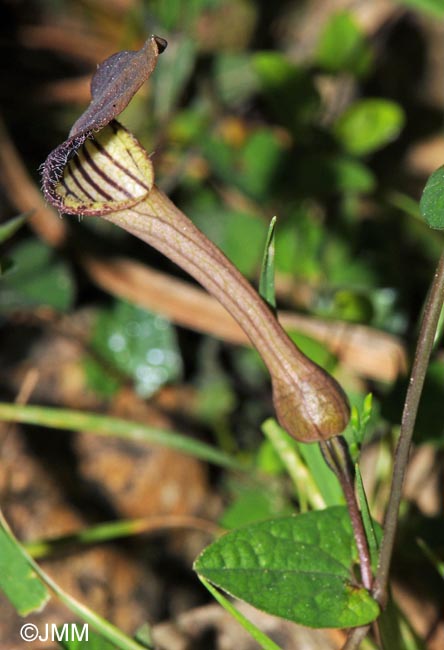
(299, 568)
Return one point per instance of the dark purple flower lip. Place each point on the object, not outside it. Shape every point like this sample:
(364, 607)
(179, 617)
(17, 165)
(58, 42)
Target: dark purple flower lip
(113, 86)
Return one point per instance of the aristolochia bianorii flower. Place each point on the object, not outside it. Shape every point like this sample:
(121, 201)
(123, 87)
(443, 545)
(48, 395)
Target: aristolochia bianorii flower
(102, 170)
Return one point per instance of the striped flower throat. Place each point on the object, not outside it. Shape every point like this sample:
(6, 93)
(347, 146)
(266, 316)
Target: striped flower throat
(109, 172)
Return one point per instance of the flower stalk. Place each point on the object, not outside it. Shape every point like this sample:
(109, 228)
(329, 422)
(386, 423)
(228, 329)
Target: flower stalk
(337, 456)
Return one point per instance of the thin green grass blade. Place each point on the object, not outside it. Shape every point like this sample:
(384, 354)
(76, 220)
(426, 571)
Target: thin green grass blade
(396, 631)
(367, 518)
(266, 282)
(93, 642)
(431, 556)
(8, 228)
(287, 450)
(112, 530)
(264, 641)
(325, 481)
(102, 425)
(439, 330)
(433, 8)
(104, 627)
(143, 635)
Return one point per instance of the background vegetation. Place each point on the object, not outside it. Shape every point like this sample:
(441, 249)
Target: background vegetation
(325, 114)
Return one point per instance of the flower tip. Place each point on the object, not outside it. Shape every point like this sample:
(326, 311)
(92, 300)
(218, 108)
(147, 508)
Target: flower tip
(161, 43)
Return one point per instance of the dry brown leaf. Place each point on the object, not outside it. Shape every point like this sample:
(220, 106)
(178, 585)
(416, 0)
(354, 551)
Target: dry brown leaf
(70, 39)
(68, 91)
(367, 351)
(25, 195)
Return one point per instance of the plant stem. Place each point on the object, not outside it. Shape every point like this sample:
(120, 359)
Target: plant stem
(358, 529)
(337, 457)
(424, 347)
(422, 355)
(355, 637)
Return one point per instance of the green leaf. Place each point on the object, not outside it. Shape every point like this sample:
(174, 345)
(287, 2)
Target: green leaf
(266, 282)
(299, 568)
(432, 7)
(139, 344)
(432, 200)
(361, 417)
(234, 77)
(368, 125)
(299, 244)
(6, 264)
(342, 268)
(254, 504)
(18, 581)
(253, 167)
(289, 90)
(39, 277)
(259, 162)
(351, 306)
(99, 378)
(240, 228)
(268, 460)
(342, 46)
(324, 174)
(178, 15)
(187, 125)
(230, 229)
(10, 227)
(314, 349)
(215, 398)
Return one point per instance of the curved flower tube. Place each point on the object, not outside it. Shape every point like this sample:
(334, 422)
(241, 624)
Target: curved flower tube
(109, 174)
